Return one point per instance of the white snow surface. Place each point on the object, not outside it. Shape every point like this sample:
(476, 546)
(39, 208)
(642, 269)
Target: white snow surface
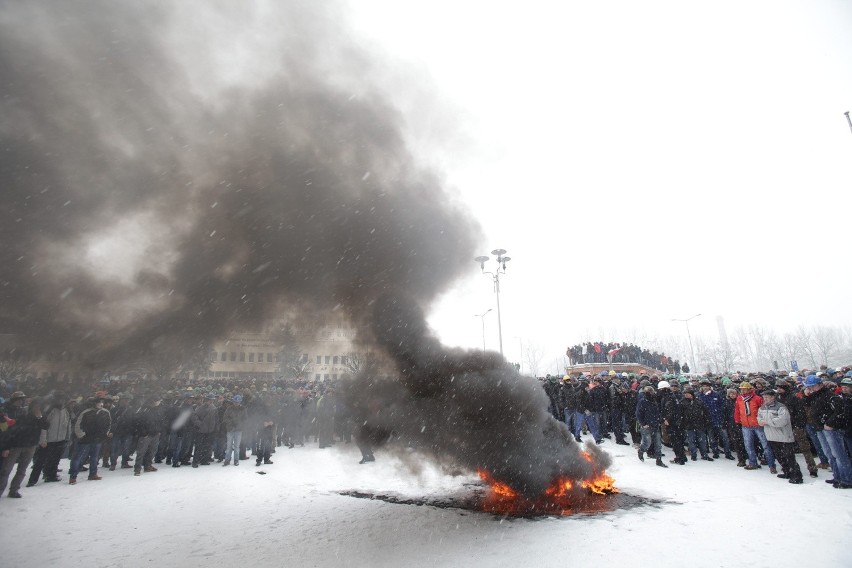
(720, 515)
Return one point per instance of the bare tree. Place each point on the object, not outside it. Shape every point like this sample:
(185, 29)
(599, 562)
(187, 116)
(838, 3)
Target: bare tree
(826, 341)
(790, 348)
(722, 358)
(533, 355)
(357, 363)
(806, 345)
(13, 367)
(291, 362)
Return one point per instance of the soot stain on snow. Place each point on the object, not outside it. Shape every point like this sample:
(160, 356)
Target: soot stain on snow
(474, 502)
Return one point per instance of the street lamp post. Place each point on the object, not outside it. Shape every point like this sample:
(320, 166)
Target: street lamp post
(689, 336)
(495, 276)
(482, 317)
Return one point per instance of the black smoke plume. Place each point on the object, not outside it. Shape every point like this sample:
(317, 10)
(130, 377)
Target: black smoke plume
(171, 172)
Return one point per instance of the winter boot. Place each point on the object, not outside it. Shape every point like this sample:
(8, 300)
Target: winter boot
(641, 457)
(813, 472)
(660, 463)
(14, 495)
(729, 457)
(227, 462)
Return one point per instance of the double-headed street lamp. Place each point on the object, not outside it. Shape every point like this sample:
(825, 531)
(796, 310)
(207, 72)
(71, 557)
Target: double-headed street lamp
(495, 276)
(482, 317)
(689, 336)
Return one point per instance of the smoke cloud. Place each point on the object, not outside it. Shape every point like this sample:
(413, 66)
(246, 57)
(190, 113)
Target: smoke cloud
(174, 171)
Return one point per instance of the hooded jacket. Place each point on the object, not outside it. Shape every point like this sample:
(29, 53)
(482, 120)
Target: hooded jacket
(745, 410)
(778, 425)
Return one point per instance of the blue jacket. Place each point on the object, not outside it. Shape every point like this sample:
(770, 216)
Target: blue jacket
(648, 412)
(715, 403)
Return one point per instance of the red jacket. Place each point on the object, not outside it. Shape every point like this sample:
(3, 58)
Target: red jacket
(745, 414)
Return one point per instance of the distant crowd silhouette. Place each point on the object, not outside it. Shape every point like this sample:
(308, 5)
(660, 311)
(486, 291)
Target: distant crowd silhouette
(598, 352)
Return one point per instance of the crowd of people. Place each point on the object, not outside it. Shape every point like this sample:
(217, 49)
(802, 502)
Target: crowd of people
(756, 419)
(601, 352)
(134, 426)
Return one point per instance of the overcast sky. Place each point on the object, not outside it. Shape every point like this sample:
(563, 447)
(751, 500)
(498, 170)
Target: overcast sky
(640, 161)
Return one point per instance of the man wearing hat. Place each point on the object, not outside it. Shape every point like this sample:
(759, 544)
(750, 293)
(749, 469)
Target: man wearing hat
(52, 440)
(846, 395)
(92, 429)
(778, 427)
(829, 412)
(20, 445)
(745, 414)
(787, 395)
(206, 421)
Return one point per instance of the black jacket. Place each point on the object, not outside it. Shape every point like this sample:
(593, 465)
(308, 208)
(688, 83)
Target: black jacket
(93, 425)
(26, 431)
(695, 415)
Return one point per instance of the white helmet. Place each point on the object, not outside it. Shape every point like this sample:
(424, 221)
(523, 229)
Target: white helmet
(793, 374)
(663, 385)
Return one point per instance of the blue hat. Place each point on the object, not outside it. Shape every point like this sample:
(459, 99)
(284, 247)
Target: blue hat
(238, 398)
(210, 397)
(849, 374)
(812, 380)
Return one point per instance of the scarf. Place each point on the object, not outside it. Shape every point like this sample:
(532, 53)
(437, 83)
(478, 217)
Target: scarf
(747, 400)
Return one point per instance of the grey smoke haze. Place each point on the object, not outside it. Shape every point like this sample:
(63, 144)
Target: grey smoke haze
(468, 408)
(143, 198)
(171, 173)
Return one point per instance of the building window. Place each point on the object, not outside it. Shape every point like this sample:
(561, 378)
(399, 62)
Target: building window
(325, 378)
(242, 356)
(319, 361)
(316, 377)
(269, 357)
(224, 356)
(233, 356)
(336, 359)
(251, 357)
(328, 359)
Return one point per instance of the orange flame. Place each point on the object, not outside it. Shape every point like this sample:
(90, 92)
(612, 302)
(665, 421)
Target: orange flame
(562, 497)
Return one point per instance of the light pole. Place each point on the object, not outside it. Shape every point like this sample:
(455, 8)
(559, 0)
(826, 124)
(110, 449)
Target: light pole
(482, 317)
(689, 336)
(495, 276)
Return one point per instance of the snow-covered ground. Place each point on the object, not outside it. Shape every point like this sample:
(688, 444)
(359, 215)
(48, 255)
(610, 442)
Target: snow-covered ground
(294, 516)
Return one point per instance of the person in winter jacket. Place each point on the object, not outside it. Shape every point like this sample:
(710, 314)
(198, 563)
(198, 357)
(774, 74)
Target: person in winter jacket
(671, 405)
(266, 434)
(735, 431)
(715, 403)
(778, 427)
(181, 432)
(233, 420)
(205, 418)
(21, 442)
(829, 416)
(696, 422)
(92, 429)
(616, 394)
(122, 434)
(52, 441)
(596, 405)
(745, 414)
(325, 419)
(649, 418)
(798, 417)
(146, 426)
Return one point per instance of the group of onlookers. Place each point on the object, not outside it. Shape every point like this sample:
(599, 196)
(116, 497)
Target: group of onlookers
(193, 427)
(755, 420)
(601, 352)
